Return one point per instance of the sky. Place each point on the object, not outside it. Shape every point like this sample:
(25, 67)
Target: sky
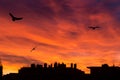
(59, 31)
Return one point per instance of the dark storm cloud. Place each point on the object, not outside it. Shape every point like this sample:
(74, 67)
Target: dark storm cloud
(17, 59)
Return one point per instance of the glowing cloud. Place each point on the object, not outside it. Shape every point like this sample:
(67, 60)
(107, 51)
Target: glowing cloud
(59, 29)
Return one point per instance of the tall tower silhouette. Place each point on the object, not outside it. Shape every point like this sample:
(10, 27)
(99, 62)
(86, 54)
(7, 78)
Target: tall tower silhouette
(1, 70)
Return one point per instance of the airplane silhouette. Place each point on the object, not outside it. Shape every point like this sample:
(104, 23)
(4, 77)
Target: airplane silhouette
(15, 18)
(93, 27)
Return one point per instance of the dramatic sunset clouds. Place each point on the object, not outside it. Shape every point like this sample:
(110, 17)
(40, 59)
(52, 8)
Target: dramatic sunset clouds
(59, 29)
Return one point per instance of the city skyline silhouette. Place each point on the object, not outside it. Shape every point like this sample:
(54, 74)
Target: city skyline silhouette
(59, 71)
(85, 32)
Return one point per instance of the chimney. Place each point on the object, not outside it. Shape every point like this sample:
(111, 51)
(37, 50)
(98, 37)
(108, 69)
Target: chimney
(32, 65)
(45, 65)
(75, 66)
(71, 65)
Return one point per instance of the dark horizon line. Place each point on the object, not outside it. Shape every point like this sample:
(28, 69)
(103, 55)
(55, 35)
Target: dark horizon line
(53, 66)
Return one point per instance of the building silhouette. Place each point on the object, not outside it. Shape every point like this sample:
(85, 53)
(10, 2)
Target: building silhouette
(49, 72)
(105, 72)
(1, 70)
(11, 76)
(59, 71)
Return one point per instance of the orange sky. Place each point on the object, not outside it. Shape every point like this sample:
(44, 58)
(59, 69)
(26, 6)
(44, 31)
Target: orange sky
(60, 30)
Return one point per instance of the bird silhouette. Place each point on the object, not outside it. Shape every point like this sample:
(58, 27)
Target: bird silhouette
(34, 48)
(93, 27)
(15, 18)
